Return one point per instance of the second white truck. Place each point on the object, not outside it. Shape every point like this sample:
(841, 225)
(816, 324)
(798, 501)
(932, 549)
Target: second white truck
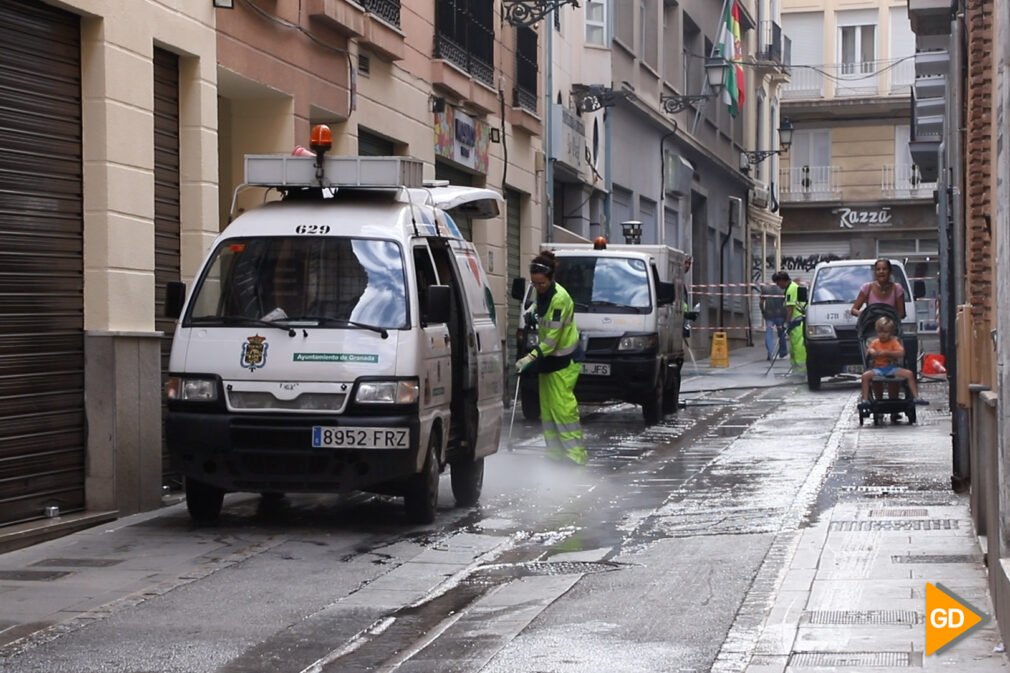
(629, 307)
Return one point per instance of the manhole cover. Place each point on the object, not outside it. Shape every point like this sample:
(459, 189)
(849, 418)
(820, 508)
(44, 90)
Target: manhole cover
(898, 513)
(856, 617)
(937, 558)
(896, 524)
(32, 575)
(850, 659)
(78, 562)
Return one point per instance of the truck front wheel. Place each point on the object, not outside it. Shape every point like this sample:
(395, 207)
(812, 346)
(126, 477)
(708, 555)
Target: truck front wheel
(530, 399)
(671, 400)
(203, 501)
(652, 409)
(421, 497)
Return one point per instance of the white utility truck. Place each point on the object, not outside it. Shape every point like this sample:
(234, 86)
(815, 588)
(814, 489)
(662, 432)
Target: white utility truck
(340, 338)
(629, 308)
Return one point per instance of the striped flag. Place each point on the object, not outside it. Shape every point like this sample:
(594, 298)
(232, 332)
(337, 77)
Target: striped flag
(731, 48)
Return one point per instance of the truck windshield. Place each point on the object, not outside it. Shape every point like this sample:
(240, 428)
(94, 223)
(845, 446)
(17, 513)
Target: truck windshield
(303, 281)
(606, 284)
(840, 284)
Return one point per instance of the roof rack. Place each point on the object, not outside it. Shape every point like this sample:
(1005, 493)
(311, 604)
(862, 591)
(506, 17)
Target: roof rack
(281, 170)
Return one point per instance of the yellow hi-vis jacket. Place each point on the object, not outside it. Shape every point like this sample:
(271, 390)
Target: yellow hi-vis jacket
(557, 335)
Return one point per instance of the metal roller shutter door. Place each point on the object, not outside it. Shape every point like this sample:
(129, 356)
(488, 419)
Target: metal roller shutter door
(166, 212)
(42, 421)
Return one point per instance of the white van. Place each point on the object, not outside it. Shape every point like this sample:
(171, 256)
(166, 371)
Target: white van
(629, 311)
(341, 338)
(830, 329)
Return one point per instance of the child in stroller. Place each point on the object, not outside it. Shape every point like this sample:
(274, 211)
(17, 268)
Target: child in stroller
(879, 340)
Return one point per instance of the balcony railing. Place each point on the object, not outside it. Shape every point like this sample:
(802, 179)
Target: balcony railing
(851, 79)
(903, 181)
(387, 10)
(450, 50)
(775, 46)
(809, 183)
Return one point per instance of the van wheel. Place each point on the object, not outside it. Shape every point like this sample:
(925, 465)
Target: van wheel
(671, 400)
(813, 378)
(467, 478)
(203, 501)
(530, 400)
(421, 497)
(652, 409)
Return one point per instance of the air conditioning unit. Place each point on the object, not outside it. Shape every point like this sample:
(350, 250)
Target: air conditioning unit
(759, 197)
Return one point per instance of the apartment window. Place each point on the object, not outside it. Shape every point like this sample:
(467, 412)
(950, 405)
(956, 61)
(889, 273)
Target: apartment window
(624, 27)
(648, 45)
(525, 95)
(859, 49)
(596, 22)
(464, 36)
(811, 147)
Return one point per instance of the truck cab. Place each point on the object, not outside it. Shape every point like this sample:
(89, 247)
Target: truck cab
(830, 331)
(629, 311)
(340, 338)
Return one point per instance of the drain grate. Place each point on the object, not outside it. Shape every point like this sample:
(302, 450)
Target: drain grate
(78, 562)
(937, 558)
(850, 659)
(32, 575)
(898, 513)
(896, 524)
(856, 617)
(507, 571)
(895, 488)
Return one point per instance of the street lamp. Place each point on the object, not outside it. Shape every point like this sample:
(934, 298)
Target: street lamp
(715, 78)
(593, 97)
(632, 230)
(529, 12)
(749, 158)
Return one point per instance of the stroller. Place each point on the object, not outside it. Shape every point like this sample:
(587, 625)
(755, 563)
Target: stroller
(880, 404)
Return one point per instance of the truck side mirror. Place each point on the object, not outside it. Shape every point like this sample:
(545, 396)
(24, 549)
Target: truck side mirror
(802, 294)
(918, 289)
(519, 288)
(436, 304)
(175, 297)
(666, 293)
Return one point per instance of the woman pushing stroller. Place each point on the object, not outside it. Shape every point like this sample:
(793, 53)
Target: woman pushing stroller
(885, 352)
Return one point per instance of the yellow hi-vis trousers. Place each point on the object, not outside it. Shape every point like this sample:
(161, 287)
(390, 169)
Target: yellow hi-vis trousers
(559, 413)
(797, 349)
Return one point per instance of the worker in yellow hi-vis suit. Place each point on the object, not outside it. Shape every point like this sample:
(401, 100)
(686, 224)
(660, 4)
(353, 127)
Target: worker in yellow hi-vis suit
(795, 313)
(557, 340)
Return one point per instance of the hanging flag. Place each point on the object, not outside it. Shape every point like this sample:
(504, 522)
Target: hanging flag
(731, 48)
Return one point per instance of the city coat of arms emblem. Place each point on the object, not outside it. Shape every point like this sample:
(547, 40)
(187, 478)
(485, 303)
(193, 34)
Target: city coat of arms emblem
(254, 352)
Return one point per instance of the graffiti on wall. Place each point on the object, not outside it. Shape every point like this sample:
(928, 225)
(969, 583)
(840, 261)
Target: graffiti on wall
(796, 263)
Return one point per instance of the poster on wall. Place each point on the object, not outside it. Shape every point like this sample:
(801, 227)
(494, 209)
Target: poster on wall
(463, 139)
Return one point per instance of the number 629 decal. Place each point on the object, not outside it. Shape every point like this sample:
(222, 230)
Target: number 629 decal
(312, 229)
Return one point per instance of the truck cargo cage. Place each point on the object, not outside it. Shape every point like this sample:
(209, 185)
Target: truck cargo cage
(280, 170)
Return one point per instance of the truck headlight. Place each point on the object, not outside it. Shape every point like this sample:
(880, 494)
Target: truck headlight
(187, 389)
(386, 392)
(820, 331)
(638, 342)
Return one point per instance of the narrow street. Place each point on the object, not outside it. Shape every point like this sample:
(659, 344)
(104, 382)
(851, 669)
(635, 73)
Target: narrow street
(660, 555)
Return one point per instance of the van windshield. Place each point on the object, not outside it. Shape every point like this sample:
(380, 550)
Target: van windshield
(606, 284)
(840, 284)
(303, 281)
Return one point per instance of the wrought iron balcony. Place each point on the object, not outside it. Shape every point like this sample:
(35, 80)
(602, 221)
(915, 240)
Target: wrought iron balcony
(775, 46)
(809, 183)
(904, 181)
(387, 10)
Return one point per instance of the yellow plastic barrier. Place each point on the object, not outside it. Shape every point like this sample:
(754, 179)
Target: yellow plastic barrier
(720, 350)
